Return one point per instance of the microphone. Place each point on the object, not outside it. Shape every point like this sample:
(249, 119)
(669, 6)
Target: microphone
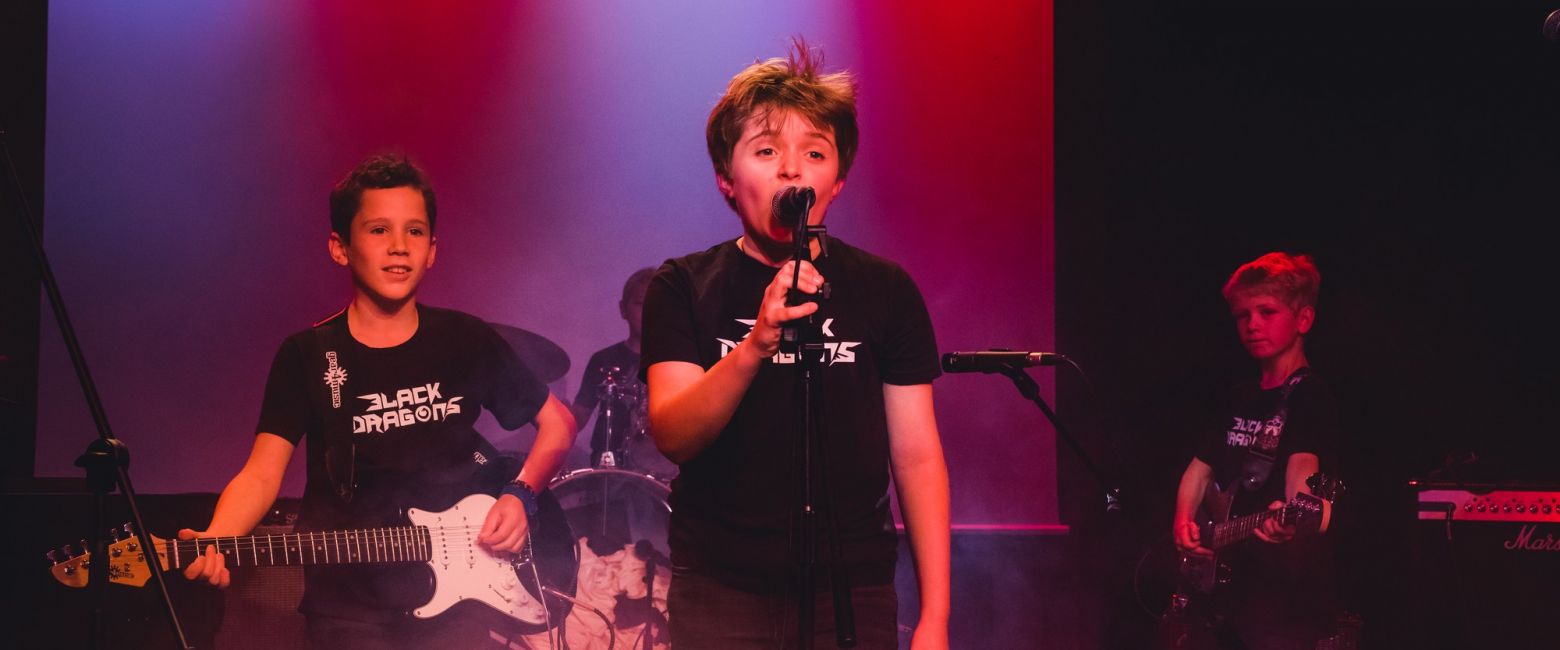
(997, 360)
(791, 205)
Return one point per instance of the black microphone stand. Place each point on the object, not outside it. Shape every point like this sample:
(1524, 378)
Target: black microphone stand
(805, 341)
(1030, 390)
(106, 459)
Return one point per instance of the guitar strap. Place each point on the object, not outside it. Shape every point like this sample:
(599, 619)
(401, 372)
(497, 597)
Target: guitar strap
(1260, 456)
(340, 452)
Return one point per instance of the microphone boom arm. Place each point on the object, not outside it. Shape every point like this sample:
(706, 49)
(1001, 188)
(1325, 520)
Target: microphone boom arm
(1031, 391)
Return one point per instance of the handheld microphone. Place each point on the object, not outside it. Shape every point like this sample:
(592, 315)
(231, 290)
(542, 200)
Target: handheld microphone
(792, 204)
(996, 360)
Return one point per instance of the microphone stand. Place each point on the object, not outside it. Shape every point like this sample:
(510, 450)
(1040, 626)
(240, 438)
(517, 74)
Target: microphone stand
(106, 459)
(1030, 390)
(805, 341)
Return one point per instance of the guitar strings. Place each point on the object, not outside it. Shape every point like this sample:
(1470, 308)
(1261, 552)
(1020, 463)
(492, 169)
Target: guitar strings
(359, 543)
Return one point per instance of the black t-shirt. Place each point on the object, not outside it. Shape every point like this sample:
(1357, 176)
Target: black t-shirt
(1310, 426)
(1289, 586)
(734, 504)
(389, 428)
(627, 363)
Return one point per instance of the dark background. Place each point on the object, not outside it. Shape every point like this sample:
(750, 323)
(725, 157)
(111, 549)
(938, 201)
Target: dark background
(1412, 151)
(23, 45)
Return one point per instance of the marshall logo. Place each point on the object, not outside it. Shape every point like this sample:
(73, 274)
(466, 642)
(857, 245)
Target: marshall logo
(1526, 541)
(335, 376)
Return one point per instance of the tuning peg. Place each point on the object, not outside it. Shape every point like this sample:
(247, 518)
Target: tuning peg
(57, 555)
(129, 532)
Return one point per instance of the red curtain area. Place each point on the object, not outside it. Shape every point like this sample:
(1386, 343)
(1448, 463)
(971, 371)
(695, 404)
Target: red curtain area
(959, 102)
(415, 74)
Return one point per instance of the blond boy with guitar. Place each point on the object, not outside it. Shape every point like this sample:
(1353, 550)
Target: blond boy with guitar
(1272, 435)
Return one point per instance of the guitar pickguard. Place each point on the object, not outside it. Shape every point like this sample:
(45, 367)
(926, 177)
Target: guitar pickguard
(466, 570)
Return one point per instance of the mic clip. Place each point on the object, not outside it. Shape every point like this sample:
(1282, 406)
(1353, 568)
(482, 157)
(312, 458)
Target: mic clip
(804, 234)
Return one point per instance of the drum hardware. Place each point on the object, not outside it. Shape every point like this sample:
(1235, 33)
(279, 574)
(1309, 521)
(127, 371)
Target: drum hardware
(623, 406)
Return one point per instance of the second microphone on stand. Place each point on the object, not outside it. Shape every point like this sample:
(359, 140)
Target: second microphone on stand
(997, 360)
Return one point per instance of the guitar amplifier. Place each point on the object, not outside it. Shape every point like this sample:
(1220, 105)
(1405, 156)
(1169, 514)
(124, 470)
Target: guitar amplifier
(262, 603)
(1487, 558)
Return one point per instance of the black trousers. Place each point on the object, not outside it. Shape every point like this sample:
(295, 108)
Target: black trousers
(458, 629)
(705, 613)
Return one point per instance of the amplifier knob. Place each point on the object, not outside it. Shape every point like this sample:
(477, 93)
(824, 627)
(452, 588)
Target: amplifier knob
(1520, 509)
(1507, 508)
(1546, 510)
(1481, 507)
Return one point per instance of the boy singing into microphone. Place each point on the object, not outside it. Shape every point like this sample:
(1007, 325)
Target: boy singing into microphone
(725, 402)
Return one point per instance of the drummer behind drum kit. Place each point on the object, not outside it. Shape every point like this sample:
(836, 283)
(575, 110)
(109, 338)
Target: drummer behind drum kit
(617, 511)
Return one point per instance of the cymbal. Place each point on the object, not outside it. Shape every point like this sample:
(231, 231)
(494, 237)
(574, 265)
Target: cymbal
(545, 359)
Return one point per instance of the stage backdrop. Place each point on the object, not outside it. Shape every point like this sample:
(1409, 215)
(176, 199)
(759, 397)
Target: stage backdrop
(191, 146)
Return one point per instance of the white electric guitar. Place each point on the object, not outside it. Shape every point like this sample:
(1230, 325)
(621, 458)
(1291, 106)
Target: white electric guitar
(445, 541)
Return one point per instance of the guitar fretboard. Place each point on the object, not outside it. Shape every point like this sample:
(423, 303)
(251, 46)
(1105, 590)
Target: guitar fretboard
(404, 544)
(1241, 528)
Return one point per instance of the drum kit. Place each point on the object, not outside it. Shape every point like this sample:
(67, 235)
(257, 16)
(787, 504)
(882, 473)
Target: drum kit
(616, 509)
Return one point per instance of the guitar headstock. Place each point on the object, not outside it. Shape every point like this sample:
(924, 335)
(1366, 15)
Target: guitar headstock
(1303, 511)
(127, 561)
(1326, 488)
(1313, 512)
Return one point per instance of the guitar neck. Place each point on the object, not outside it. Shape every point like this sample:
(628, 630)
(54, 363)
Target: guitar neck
(369, 545)
(1239, 529)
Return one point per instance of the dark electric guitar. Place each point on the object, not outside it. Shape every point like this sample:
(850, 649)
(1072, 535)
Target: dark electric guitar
(1201, 577)
(462, 569)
